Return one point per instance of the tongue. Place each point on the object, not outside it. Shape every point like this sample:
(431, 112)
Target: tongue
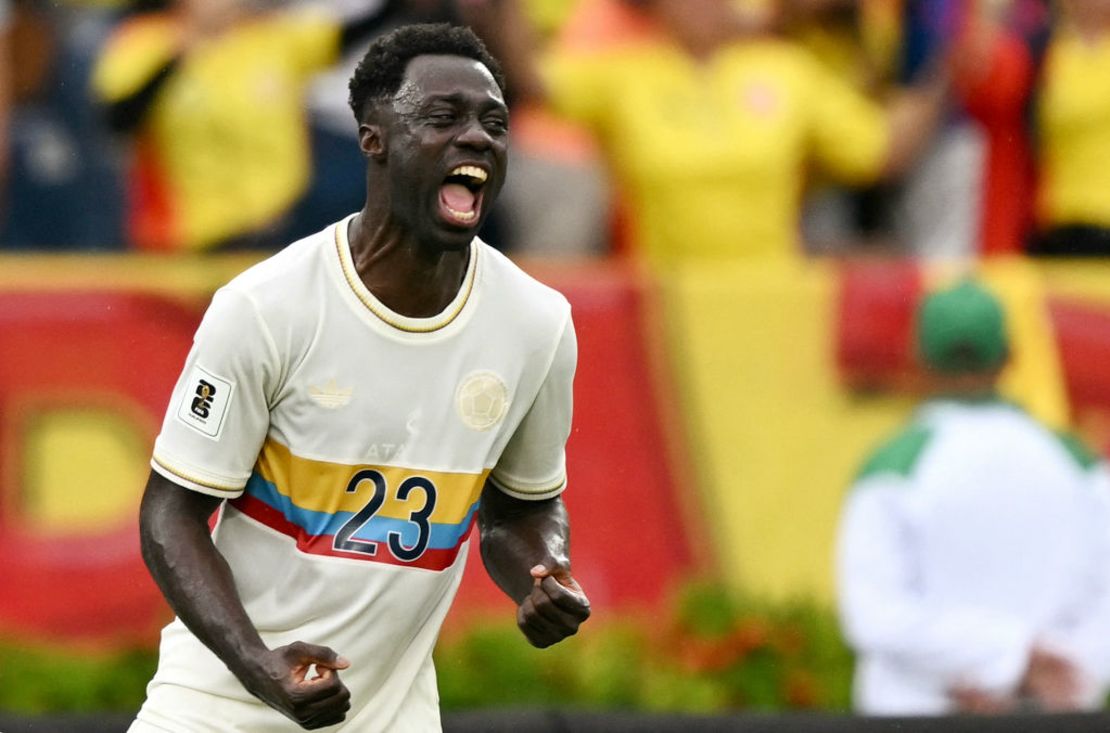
(458, 197)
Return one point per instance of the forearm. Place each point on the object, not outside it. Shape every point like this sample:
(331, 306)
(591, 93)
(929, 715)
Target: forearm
(519, 535)
(194, 577)
(913, 117)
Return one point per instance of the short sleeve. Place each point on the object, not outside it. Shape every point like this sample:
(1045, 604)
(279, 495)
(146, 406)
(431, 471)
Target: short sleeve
(218, 415)
(533, 465)
(849, 132)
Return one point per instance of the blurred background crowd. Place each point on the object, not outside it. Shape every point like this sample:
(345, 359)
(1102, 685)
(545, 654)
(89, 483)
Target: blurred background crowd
(668, 128)
(744, 201)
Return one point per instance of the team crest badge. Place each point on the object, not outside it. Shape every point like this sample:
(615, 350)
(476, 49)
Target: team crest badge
(482, 400)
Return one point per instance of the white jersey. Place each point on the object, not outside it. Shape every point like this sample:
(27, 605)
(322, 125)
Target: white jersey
(968, 538)
(352, 444)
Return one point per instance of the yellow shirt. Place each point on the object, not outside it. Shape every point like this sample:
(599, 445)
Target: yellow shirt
(711, 158)
(224, 148)
(1074, 127)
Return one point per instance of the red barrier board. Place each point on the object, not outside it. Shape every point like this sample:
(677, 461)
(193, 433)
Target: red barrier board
(114, 350)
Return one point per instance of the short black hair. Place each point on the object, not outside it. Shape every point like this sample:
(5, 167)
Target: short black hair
(379, 74)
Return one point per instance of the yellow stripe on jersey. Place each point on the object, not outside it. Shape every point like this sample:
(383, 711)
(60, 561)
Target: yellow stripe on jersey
(321, 486)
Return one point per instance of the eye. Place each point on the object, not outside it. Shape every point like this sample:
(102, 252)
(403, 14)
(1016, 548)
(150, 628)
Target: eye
(442, 119)
(498, 125)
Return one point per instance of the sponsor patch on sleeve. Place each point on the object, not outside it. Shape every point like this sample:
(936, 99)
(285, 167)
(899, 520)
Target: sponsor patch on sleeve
(204, 405)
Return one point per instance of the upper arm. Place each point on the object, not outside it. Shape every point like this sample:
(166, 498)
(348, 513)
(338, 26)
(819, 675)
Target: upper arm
(497, 506)
(163, 499)
(218, 415)
(533, 464)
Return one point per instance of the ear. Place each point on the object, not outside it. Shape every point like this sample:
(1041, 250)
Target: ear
(371, 140)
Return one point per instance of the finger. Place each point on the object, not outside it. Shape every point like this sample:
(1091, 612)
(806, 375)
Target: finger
(337, 663)
(306, 653)
(549, 610)
(570, 599)
(326, 712)
(311, 692)
(539, 631)
(539, 572)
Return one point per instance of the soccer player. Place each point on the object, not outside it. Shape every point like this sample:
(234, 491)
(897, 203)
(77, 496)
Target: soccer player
(974, 550)
(351, 407)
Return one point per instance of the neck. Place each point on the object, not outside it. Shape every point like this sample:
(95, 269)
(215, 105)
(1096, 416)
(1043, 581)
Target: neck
(964, 387)
(408, 278)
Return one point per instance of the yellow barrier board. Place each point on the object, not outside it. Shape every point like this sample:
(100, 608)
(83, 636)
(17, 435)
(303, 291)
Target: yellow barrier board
(775, 439)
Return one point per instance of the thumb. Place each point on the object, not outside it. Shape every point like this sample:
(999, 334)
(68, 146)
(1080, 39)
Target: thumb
(321, 656)
(560, 575)
(539, 572)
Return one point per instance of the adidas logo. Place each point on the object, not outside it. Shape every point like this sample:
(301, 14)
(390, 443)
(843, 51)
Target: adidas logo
(331, 396)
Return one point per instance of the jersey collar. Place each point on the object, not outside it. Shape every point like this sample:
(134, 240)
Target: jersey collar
(383, 312)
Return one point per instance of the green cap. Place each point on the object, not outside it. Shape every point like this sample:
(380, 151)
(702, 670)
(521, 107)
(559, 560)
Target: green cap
(962, 329)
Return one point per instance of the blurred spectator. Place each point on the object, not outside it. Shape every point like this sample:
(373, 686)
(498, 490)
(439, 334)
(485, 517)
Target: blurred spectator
(213, 93)
(5, 90)
(974, 550)
(708, 127)
(858, 41)
(1074, 134)
(936, 211)
(1001, 47)
(64, 189)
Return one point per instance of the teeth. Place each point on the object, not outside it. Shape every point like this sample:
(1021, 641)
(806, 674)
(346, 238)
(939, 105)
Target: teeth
(462, 215)
(471, 171)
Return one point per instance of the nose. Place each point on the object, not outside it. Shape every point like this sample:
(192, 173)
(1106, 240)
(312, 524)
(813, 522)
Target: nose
(474, 135)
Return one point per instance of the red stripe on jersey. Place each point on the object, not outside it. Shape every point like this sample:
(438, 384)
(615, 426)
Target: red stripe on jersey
(323, 544)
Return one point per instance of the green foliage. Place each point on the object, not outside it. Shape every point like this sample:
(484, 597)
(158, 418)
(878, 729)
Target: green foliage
(714, 652)
(711, 652)
(41, 680)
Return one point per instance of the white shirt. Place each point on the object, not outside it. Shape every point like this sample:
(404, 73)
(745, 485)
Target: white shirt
(974, 534)
(352, 444)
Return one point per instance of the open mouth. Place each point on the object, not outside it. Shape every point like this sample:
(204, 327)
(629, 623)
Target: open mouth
(460, 196)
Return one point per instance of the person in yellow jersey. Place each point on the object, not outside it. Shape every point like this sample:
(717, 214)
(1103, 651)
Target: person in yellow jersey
(352, 407)
(212, 94)
(709, 128)
(1073, 125)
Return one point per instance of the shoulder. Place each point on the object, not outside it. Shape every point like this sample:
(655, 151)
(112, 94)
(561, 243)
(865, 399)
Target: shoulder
(1080, 453)
(899, 454)
(270, 279)
(524, 297)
